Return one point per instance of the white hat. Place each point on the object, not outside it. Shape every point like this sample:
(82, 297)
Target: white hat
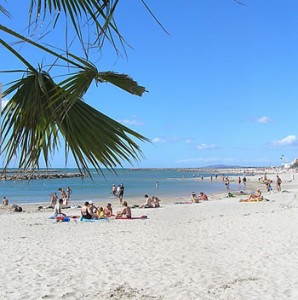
(90, 202)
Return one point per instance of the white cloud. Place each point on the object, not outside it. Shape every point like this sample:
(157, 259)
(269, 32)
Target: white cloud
(159, 140)
(131, 122)
(188, 141)
(264, 120)
(287, 141)
(205, 147)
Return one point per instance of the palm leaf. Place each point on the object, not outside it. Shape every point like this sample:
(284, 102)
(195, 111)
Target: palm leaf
(33, 124)
(122, 81)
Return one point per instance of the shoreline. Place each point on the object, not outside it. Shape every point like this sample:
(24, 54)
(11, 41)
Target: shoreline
(217, 249)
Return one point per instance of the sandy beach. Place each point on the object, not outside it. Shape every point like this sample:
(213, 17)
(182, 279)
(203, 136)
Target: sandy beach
(217, 249)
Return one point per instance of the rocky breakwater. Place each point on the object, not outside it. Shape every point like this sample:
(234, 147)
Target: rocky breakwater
(38, 175)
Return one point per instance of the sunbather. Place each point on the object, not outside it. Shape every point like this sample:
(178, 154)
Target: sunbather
(58, 209)
(155, 201)
(195, 198)
(100, 213)
(148, 202)
(125, 212)
(257, 196)
(85, 211)
(108, 210)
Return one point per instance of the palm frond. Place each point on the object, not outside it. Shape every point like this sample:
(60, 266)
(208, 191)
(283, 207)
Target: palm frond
(98, 13)
(4, 11)
(33, 125)
(122, 81)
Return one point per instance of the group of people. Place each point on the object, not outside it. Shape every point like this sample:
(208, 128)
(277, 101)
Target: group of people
(150, 202)
(90, 211)
(196, 198)
(64, 195)
(118, 191)
(268, 182)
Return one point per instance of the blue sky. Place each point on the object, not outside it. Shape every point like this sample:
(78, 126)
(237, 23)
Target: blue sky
(222, 85)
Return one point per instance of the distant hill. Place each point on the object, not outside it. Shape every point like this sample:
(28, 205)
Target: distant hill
(224, 167)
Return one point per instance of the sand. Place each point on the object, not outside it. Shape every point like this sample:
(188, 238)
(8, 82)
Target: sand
(218, 249)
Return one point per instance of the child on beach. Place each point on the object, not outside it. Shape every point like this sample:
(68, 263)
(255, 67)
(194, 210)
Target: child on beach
(100, 213)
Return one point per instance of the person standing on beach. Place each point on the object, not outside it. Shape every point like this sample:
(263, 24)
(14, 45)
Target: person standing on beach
(121, 193)
(278, 183)
(227, 183)
(54, 198)
(244, 180)
(63, 196)
(5, 201)
(114, 190)
(68, 193)
(239, 181)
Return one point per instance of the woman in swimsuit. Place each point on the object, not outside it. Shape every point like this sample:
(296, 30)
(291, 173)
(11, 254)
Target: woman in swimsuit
(125, 212)
(85, 211)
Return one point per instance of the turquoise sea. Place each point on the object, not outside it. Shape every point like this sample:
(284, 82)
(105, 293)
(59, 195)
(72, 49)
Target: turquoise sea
(164, 183)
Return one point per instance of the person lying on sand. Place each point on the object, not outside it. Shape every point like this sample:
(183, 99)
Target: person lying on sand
(125, 212)
(257, 196)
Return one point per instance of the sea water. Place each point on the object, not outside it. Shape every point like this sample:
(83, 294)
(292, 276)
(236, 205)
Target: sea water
(163, 183)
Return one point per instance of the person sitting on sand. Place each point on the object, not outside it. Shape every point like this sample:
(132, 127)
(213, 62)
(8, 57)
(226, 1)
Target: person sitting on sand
(58, 209)
(5, 201)
(155, 201)
(125, 212)
(203, 196)
(148, 202)
(108, 210)
(100, 213)
(195, 198)
(85, 211)
(92, 208)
